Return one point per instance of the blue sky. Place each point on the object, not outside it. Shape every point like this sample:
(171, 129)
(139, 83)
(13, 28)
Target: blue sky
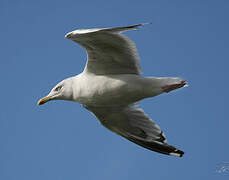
(61, 140)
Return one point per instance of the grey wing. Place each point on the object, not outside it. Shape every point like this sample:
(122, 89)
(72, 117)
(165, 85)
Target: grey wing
(136, 126)
(109, 51)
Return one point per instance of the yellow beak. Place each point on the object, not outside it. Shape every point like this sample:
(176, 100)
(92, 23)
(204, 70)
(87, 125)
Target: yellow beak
(44, 100)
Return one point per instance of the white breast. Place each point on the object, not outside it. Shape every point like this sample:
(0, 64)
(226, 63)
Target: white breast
(107, 90)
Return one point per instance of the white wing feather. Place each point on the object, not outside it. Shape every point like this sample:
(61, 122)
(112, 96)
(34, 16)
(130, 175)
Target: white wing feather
(109, 52)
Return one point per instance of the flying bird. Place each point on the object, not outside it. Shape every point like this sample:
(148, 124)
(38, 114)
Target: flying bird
(111, 87)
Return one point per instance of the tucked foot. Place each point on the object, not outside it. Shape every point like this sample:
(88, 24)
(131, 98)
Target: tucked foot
(171, 87)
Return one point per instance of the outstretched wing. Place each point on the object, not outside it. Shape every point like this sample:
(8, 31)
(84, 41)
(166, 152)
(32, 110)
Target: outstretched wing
(136, 126)
(109, 51)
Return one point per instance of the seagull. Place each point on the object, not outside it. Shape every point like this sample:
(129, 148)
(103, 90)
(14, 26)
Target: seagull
(111, 87)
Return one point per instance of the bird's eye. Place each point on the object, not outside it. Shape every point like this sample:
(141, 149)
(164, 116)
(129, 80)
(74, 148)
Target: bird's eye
(57, 88)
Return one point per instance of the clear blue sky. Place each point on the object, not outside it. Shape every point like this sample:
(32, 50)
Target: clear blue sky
(63, 141)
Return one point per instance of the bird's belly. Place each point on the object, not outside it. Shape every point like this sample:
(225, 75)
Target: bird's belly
(110, 92)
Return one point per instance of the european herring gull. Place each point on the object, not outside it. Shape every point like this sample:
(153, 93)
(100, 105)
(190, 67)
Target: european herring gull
(111, 87)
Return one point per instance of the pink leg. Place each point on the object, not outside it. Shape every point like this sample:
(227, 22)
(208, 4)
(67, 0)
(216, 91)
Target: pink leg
(171, 87)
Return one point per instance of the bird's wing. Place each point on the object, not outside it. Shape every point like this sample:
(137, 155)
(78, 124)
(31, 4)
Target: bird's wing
(136, 126)
(109, 51)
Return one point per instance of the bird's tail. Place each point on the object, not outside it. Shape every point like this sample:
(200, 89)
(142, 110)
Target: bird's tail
(164, 84)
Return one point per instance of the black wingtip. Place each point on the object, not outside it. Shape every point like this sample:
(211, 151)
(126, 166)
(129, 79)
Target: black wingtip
(181, 153)
(158, 147)
(177, 153)
(142, 24)
(146, 23)
(137, 26)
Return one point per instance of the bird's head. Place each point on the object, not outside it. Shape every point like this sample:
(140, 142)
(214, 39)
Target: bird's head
(62, 91)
